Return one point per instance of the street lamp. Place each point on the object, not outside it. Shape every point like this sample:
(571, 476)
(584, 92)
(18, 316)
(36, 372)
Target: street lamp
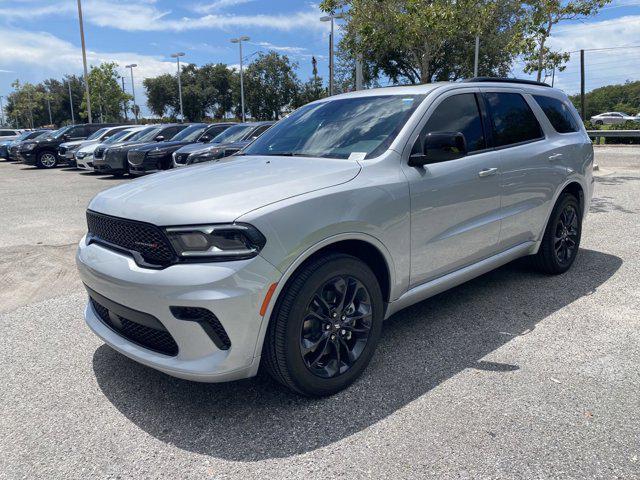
(177, 57)
(84, 62)
(239, 41)
(331, 18)
(133, 90)
(1, 111)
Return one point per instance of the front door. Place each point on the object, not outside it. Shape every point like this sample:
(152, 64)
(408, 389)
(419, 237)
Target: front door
(455, 204)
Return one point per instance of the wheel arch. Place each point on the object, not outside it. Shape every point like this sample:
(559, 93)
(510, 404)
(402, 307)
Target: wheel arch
(365, 247)
(573, 186)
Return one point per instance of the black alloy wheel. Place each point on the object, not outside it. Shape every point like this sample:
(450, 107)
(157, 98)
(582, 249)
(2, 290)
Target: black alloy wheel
(561, 240)
(336, 326)
(325, 325)
(565, 240)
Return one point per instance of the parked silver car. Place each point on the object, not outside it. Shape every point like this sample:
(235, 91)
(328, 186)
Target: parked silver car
(350, 209)
(613, 118)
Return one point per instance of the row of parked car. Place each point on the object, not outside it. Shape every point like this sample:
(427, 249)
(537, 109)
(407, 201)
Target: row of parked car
(130, 149)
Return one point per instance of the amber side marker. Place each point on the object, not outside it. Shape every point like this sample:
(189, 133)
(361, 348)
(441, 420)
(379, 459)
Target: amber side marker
(267, 299)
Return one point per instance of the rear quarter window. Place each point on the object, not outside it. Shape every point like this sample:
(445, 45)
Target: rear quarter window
(558, 113)
(513, 120)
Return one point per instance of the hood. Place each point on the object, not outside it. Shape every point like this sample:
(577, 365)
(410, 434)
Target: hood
(195, 147)
(75, 143)
(128, 145)
(163, 146)
(221, 191)
(219, 147)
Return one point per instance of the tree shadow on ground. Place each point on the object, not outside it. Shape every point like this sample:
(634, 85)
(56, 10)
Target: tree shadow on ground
(420, 348)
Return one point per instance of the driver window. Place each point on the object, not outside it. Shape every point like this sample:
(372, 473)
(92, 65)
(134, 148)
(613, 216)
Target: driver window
(458, 113)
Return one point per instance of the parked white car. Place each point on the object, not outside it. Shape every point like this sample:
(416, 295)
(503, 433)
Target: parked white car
(613, 118)
(84, 155)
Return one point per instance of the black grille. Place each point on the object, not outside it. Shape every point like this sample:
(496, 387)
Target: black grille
(98, 152)
(136, 158)
(208, 321)
(154, 339)
(116, 158)
(143, 238)
(181, 158)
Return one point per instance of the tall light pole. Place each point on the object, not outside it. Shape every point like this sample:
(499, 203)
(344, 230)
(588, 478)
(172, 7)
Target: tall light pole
(239, 40)
(177, 57)
(49, 108)
(73, 120)
(126, 106)
(331, 18)
(1, 111)
(84, 62)
(133, 91)
(477, 54)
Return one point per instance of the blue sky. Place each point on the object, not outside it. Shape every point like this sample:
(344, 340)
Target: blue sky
(40, 39)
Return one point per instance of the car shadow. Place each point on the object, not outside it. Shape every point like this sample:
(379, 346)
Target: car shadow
(420, 348)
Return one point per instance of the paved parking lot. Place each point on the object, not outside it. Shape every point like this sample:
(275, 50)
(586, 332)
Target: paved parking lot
(512, 375)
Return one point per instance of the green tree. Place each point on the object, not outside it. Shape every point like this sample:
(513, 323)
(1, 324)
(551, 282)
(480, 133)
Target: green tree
(310, 91)
(271, 86)
(107, 96)
(419, 40)
(26, 105)
(541, 16)
(624, 98)
(162, 92)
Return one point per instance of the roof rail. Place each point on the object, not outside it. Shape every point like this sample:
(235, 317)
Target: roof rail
(506, 80)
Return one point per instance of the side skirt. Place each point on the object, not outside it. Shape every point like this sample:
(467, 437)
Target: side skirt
(439, 285)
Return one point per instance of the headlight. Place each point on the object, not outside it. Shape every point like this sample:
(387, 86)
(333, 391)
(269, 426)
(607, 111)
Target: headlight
(81, 155)
(29, 146)
(234, 241)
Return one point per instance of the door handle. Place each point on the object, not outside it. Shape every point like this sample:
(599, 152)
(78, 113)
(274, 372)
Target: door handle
(555, 156)
(487, 172)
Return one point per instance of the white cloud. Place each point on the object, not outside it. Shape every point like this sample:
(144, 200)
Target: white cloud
(39, 55)
(217, 5)
(277, 48)
(145, 16)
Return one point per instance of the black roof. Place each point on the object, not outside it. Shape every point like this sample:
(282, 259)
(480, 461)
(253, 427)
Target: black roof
(506, 80)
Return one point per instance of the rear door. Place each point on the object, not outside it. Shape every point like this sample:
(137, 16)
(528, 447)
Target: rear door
(455, 204)
(530, 173)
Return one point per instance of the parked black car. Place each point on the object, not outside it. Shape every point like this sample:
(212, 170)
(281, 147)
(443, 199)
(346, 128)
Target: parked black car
(153, 157)
(114, 159)
(227, 143)
(9, 149)
(43, 152)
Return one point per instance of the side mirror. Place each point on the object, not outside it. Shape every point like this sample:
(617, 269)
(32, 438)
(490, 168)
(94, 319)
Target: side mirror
(65, 137)
(440, 147)
(160, 138)
(205, 138)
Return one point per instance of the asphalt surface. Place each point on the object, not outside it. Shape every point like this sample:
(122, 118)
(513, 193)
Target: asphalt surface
(512, 375)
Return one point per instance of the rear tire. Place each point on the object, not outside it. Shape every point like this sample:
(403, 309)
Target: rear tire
(47, 159)
(325, 327)
(561, 240)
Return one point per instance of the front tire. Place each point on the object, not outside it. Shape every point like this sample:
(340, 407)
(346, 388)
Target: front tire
(47, 159)
(325, 327)
(561, 239)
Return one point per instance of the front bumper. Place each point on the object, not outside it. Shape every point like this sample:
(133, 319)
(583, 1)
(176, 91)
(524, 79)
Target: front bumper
(85, 163)
(150, 165)
(28, 158)
(232, 291)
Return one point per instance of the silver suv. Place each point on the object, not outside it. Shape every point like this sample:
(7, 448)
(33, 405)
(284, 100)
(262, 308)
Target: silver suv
(292, 253)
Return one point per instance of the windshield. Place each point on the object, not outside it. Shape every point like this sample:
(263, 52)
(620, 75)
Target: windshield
(62, 131)
(189, 134)
(27, 135)
(146, 134)
(118, 136)
(45, 134)
(232, 134)
(365, 126)
(97, 134)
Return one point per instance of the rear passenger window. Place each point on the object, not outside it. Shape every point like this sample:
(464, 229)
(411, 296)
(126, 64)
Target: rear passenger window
(558, 113)
(513, 120)
(458, 113)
